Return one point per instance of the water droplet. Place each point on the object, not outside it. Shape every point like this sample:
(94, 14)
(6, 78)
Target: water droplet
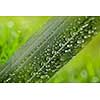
(83, 41)
(74, 33)
(89, 35)
(89, 32)
(60, 44)
(47, 76)
(85, 25)
(58, 66)
(66, 50)
(53, 71)
(92, 31)
(42, 77)
(85, 37)
(78, 41)
(68, 45)
(8, 79)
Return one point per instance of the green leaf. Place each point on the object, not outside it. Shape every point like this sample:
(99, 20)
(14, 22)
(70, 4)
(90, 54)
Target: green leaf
(55, 45)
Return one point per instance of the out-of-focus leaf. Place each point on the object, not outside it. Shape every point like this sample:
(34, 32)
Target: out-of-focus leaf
(15, 31)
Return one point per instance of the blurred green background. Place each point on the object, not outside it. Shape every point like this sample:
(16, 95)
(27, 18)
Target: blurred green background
(15, 31)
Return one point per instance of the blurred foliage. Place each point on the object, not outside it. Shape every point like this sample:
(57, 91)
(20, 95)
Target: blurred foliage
(15, 31)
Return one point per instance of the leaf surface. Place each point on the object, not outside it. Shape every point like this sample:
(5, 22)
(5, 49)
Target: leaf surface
(55, 45)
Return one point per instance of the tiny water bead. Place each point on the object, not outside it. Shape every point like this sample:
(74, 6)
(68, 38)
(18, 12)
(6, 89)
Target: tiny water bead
(64, 43)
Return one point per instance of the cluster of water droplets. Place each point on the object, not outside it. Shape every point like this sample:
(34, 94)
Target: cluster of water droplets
(57, 51)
